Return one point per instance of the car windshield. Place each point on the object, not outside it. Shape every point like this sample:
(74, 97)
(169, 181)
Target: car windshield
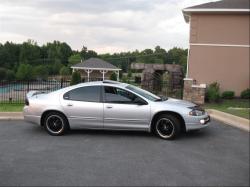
(144, 93)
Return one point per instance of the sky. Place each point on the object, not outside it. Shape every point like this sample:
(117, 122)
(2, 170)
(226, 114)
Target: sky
(101, 25)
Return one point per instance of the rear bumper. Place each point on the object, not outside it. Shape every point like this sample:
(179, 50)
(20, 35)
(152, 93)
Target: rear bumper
(29, 117)
(32, 119)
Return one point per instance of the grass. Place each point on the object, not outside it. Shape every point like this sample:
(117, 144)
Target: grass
(225, 105)
(11, 107)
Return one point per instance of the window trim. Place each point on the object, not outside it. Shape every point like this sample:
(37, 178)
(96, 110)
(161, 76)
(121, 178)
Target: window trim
(100, 94)
(104, 98)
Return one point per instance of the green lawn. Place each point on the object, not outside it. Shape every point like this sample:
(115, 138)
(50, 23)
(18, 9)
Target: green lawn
(6, 107)
(225, 105)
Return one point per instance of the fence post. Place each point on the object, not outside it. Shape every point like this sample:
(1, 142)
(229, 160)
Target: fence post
(61, 82)
(28, 84)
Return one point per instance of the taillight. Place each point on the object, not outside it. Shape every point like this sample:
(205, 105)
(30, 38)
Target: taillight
(26, 101)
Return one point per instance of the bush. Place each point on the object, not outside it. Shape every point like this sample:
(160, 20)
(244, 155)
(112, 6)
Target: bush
(64, 71)
(213, 92)
(245, 94)
(228, 95)
(124, 79)
(113, 76)
(76, 78)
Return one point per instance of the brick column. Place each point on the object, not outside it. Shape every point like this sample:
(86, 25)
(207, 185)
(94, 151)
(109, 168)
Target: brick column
(194, 93)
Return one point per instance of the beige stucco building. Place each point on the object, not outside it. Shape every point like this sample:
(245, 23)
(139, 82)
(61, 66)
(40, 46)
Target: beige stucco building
(219, 44)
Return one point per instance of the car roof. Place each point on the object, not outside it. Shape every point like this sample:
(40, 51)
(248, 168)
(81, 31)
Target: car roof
(105, 82)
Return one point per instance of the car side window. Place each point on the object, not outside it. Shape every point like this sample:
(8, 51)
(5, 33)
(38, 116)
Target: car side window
(86, 93)
(117, 95)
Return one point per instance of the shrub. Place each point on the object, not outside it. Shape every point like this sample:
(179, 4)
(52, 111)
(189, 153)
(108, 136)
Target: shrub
(245, 94)
(76, 78)
(124, 79)
(228, 95)
(213, 92)
(113, 76)
(64, 71)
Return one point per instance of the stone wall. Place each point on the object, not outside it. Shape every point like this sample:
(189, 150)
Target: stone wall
(193, 92)
(150, 80)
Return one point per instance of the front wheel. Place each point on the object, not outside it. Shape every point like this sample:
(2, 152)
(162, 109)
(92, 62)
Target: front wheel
(55, 124)
(167, 127)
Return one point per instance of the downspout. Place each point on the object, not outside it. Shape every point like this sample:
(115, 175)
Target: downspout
(188, 55)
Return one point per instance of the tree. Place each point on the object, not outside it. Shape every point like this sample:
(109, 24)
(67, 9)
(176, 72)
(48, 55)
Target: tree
(2, 73)
(74, 59)
(56, 67)
(64, 71)
(10, 75)
(58, 51)
(86, 54)
(24, 72)
(41, 72)
(29, 53)
(76, 78)
(9, 55)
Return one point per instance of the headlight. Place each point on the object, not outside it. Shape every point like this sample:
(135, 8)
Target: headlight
(196, 111)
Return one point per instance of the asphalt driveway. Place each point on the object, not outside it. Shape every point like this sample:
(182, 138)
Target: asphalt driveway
(216, 156)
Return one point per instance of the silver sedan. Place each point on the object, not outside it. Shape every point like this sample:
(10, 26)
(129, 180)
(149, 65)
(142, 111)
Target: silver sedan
(112, 105)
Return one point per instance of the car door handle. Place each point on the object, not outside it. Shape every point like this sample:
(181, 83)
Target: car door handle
(109, 106)
(69, 104)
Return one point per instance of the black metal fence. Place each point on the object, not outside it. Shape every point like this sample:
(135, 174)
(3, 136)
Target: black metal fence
(15, 91)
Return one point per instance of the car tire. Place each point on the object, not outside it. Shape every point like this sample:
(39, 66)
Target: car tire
(56, 124)
(167, 126)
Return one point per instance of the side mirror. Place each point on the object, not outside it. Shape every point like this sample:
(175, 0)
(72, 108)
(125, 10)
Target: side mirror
(140, 101)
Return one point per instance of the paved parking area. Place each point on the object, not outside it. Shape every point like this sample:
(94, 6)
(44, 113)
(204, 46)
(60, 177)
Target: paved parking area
(216, 156)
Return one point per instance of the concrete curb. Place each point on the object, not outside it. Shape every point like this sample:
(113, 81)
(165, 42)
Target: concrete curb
(229, 119)
(11, 116)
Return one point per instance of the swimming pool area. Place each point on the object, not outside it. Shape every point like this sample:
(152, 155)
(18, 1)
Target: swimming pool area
(16, 91)
(10, 87)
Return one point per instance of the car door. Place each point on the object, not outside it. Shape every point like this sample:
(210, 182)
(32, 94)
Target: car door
(83, 107)
(124, 110)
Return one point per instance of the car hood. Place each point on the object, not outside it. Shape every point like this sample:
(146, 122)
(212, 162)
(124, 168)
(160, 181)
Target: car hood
(179, 102)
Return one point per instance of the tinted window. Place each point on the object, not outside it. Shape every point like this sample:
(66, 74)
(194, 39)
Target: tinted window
(117, 95)
(143, 93)
(88, 93)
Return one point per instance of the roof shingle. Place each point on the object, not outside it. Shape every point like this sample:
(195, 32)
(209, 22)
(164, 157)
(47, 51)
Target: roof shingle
(224, 4)
(95, 63)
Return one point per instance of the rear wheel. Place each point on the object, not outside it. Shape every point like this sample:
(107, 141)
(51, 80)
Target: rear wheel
(56, 124)
(167, 126)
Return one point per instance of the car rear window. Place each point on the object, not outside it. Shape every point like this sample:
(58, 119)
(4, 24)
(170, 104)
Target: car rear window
(87, 93)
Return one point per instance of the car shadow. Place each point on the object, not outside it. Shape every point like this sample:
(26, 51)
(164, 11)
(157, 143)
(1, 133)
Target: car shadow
(197, 134)
(108, 133)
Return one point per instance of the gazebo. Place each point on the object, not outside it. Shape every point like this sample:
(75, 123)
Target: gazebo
(95, 69)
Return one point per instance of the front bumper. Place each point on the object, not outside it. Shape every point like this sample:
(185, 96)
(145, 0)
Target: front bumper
(197, 122)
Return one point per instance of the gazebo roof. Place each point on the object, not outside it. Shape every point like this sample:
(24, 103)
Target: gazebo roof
(95, 64)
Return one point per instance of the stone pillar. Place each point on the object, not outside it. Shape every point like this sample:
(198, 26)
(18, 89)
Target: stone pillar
(194, 93)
